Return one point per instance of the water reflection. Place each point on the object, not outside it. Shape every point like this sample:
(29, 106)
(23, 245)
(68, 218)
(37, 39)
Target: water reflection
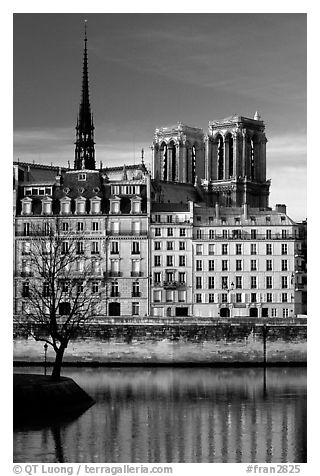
(178, 415)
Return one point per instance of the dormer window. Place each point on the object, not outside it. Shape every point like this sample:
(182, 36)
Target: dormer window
(26, 206)
(82, 177)
(136, 205)
(47, 206)
(65, 206)
(80, 205)
(95, 205)
(115, 205)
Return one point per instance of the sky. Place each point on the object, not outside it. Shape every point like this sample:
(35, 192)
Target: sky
(152, 70)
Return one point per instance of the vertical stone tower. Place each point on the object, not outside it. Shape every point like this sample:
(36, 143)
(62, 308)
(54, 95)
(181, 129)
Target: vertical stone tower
(235, 163)
(178, 154)
(84, 152)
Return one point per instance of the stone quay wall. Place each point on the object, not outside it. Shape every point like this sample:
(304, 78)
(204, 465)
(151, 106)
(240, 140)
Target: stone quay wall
(175, 343)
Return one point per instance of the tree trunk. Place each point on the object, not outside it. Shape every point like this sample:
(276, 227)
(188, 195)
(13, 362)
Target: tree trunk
(57, 364)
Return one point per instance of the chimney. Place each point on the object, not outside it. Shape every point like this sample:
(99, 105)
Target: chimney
(281, 208)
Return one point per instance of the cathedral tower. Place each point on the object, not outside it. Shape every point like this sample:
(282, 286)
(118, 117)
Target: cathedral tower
(84, 151)
(236, 161)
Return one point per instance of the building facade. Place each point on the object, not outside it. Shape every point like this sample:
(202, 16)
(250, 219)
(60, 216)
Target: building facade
(196, 238)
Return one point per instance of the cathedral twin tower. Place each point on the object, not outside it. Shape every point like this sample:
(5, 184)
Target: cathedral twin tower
(228, 163)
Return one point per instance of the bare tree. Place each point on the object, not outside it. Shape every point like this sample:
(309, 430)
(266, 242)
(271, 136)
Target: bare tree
(59, 295)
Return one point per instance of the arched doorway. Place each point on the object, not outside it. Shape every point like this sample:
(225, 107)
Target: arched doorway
(253, 312)
(224, 312)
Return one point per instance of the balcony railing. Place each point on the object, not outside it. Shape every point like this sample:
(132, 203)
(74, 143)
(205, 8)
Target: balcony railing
(244, 236)
(114, 294)
(27, 274)
(112, 274)
(136, 274)
(136, 294)
(173, 284)
(127, 232)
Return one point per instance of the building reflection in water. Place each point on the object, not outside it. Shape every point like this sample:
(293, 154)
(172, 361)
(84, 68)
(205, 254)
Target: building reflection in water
(179, 415)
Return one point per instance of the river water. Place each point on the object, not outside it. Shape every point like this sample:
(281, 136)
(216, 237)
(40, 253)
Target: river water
(186, 415)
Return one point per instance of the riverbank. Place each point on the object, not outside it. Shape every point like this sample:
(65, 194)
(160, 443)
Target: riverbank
(35, 396)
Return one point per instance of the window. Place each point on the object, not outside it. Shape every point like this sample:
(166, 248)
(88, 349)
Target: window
(25, 289)
(157, 245)
(135, 248)
(268, 234)
(224, 297)
(157, 260)
(82, 177)
(198, 249)
(198, 218)
(274, 312)
(135, 308)
(211, 234)
(65, 226)
(157, 295)
(182, 260)
(238, 297)
(170, 232)
(199, 234)
(169, 295)
(169, 218)
(224, 282)
(284, 282)
(238, 265)
(26, 229)
(285, 312)
(253, 234)
(135, 289)
(211, 249)
(253, 249)
(224, 249)
(170, 260)
(284, 297)
(115, 206)
(80, 288)
(269, 297)
(64, 247)
(284, 265)
(80, 247)
(157, 278)
(269, 282)
(268, 249)
(211, 265)
(157, 218)
(95, 247)
(269, 265)
(170, 245)
(182, 277)
(224, 265)
(64, 308)
(26, 247)
(181, 296)
(65, 286)
(284, 249)
(198, 297)
(80, 226)
(157, 231)
(114, 289)
(169, 276)
(45, 289)
(253, 265)
(253, 297)
(199, 265)
(182, 245)
(211, 297)
(284, 234)
(182, 232)
(238, 282)
(198, 282)
(253, 282)
(114, 247)
(95, 287)
(95, 226)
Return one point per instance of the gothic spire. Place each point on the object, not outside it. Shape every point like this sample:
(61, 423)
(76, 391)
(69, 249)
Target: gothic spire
(84, 152)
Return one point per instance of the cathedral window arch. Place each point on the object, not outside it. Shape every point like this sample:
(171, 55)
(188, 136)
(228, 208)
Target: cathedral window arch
(220, 156)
